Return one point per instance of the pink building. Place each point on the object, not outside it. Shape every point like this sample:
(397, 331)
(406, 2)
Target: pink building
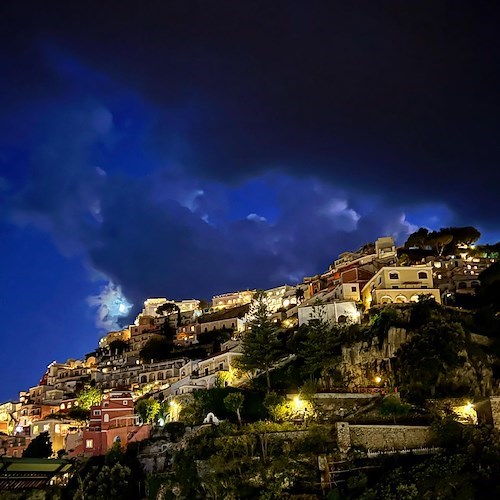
(112, 421)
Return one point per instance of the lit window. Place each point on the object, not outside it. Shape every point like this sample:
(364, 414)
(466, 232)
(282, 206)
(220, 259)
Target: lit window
(57, 428)
(106, 417)
(46, 427)
(89, 443)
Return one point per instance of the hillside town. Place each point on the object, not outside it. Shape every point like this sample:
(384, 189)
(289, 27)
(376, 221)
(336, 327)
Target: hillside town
(177, 349)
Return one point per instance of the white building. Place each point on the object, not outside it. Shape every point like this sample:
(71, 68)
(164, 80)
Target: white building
(335, 312)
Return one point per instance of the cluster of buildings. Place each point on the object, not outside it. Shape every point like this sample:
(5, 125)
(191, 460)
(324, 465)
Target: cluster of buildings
(354, 283)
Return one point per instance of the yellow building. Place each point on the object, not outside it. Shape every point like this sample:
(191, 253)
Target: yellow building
(233, 299)
(399, 285)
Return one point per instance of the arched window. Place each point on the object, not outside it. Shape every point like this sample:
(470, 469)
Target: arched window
(152, 377)
(160, 376)
(401, 299)
(144, 379)
(462, 284)
(386, 300)
(342, 319)
(475, 284)
(106, 417)
(393, 276)
(422, 275)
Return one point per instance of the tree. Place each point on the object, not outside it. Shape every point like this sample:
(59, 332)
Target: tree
(157, 349)
(77, 413)
(106, 483)
(320, 343)
(466, 235)
(147, 409)
(40, 447)
(167, 309)
(118, 346)
(426, 364)
(261, 347)
(234, 402)
(89, 396)
(299, 294)
(439, 241)
(418, 239)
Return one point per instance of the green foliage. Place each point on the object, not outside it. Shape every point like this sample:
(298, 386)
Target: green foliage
(147, 409)
(157, 349)
(394, 407)
(320, 345)
(426, 362)
(77, 413)
(213, 400)
(40, 447)
(106, 483)
(114, 455)
(89, 396)
(261, 347)
(447, 239)
(277, 406)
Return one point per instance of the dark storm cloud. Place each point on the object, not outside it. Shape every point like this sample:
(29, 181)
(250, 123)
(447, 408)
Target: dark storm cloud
(173, 234)
(401, 96)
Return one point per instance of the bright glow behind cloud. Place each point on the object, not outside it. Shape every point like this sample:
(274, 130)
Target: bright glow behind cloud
(111, 305)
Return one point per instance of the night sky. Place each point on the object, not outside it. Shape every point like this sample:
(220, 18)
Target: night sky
(182, 149)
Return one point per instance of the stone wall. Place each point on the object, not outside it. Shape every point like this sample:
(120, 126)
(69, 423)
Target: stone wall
(388, 437)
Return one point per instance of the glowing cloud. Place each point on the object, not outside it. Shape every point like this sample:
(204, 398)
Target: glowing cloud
(111, 305)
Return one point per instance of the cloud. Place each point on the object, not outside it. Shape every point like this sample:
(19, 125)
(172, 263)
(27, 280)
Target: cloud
(111, 305)
(177, 226)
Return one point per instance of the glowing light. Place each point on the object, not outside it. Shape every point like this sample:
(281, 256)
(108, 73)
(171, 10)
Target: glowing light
(378, 379)
(298, 403)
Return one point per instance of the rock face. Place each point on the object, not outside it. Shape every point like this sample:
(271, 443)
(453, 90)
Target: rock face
(363, 361)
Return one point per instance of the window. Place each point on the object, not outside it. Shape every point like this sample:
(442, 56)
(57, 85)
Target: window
(462, 285)
(125, 403)
(221, 366)
(395, 286)
(106, 417)
(422, 275)
(36, 430)
(353, 288)
(46, 427)
(57, 428)
(89, 443)
(342, 319)
(97, 413)
(393, 276)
